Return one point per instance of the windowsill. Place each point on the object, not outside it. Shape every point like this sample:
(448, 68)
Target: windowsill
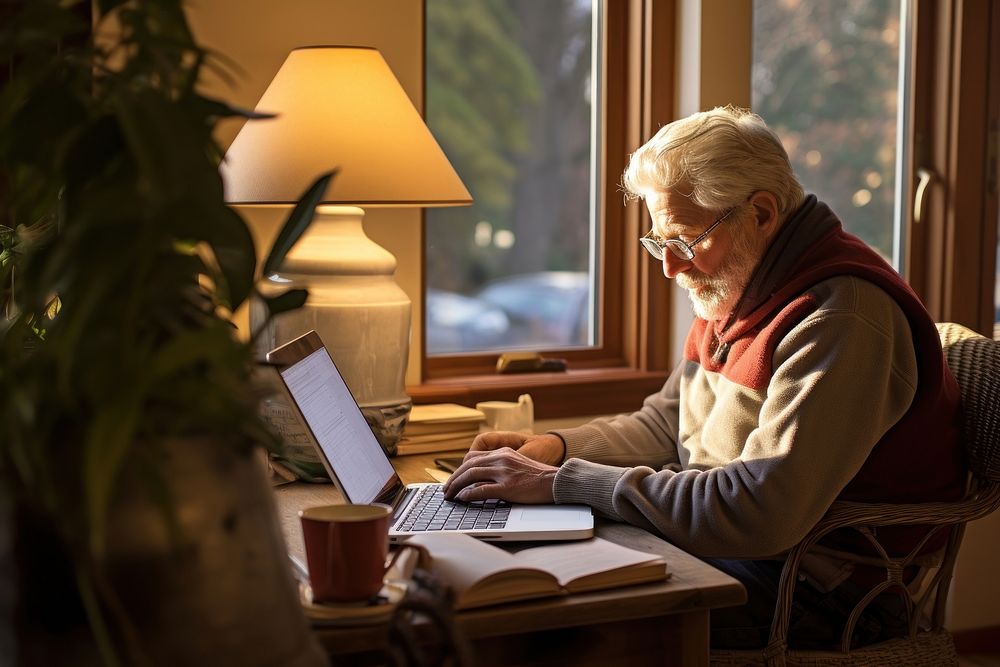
(573, 393)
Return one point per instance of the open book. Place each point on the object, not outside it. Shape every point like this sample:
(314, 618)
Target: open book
(482, 574)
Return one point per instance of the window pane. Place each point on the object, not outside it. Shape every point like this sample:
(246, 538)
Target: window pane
(826, 77)
(511, 91)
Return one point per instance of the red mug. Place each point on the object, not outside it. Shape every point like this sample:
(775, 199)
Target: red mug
(346, 549)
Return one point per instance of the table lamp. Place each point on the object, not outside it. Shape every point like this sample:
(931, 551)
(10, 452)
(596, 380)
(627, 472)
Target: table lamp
(341, 107)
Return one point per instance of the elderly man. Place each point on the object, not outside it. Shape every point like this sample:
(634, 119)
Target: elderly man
(811, 373)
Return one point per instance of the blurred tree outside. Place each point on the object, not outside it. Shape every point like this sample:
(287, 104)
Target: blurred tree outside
(508, 97)
(825, 77)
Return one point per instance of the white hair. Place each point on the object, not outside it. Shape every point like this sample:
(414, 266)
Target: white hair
(722, 156)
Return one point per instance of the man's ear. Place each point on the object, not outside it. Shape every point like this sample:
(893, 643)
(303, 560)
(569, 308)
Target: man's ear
(766, 216)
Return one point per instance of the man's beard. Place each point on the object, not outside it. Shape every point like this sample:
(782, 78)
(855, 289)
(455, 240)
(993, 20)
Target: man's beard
(713, 297)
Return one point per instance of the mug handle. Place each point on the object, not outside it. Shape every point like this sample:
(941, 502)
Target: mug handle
(416, 555)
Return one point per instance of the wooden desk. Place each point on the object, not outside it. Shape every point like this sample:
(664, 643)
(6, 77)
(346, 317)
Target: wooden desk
(664, 623)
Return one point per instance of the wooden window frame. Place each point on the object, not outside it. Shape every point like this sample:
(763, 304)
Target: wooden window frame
(633, 357)
(955, 80)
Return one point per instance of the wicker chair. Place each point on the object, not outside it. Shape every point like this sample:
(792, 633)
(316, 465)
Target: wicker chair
(975, 361)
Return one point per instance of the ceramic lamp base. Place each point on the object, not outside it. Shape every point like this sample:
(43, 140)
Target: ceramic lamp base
(361, 315)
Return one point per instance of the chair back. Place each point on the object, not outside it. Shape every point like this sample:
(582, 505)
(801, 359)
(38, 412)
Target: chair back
(975, 362)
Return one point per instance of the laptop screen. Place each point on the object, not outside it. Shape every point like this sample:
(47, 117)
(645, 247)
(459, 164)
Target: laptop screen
(338, 426)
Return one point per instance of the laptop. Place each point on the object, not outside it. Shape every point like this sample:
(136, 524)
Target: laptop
(359, 467)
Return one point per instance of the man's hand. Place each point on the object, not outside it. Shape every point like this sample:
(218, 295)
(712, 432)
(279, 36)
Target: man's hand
(501, 473)
(546, 448)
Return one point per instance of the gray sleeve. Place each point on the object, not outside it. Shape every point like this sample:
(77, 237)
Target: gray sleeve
(816, 427)
(646, 437)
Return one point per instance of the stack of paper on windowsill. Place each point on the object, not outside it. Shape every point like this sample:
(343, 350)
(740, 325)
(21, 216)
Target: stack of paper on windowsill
(441, 427)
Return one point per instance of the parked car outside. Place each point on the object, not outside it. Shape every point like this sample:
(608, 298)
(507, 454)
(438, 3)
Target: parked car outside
(547, 309)
(542, 310)
(459, 323)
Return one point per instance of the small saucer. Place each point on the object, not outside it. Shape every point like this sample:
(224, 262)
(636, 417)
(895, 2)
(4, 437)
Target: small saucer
(376, 610)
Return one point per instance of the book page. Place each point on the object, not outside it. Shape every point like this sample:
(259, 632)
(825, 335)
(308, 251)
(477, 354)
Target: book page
(570, 561)
(480, 573)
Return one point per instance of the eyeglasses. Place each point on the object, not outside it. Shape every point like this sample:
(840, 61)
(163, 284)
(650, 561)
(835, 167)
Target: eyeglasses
(680, 249)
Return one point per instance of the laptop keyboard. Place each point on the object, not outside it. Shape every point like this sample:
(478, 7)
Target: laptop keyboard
(430, 511)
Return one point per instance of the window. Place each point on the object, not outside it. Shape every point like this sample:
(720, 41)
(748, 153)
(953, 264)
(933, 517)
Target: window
(889, 110)
(833, 88)
(511, 94)
(927, 108)
(581, 291)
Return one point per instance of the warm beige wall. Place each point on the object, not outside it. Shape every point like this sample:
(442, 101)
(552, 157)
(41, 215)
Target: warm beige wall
(256, 35)
(713, 55)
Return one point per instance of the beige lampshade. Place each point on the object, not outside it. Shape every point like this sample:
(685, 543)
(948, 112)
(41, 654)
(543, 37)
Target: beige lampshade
(339, 107)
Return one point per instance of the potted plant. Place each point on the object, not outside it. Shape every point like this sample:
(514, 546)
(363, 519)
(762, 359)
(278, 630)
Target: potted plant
(139, 522)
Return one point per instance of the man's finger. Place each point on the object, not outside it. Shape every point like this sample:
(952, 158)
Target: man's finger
(485, 442)
(471, 454)
(484, 491)
(485, 457)
(466, 474)
(471, 458)
(498, 440)
(455, 474)
(480, 443)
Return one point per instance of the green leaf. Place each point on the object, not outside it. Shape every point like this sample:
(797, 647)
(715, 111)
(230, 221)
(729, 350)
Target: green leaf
(36, 26)
(109, 437)
(288, 300)
(234, 251)
(237, 258)
(188, 349)
(96, 145)
(44, 120)
(108, 6)
(167, 148)
(297, 222)
(91, 600)
(216, 109)
(87, 310)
